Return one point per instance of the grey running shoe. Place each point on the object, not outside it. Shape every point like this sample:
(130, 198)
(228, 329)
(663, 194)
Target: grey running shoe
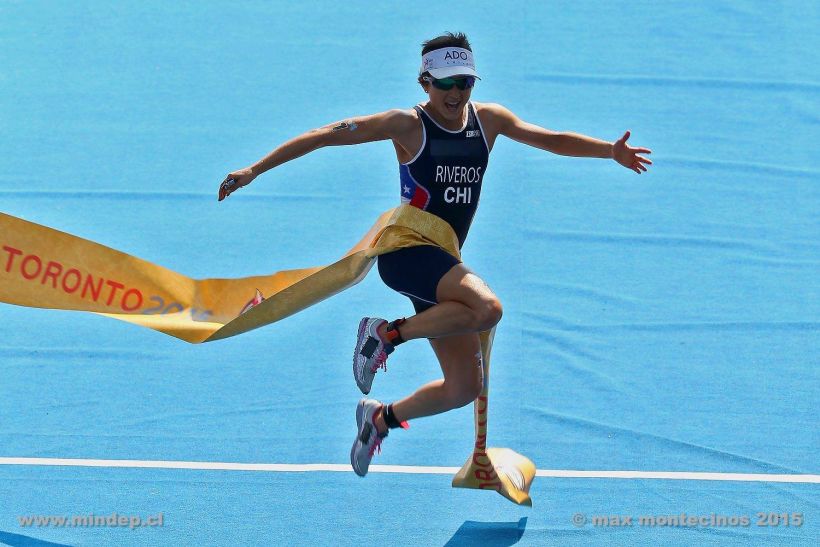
(368, 440)
(370, 354)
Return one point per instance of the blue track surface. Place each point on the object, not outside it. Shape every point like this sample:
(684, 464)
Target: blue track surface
(667, 322)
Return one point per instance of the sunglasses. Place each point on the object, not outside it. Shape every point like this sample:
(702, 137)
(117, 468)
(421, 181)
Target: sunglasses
(446, 84)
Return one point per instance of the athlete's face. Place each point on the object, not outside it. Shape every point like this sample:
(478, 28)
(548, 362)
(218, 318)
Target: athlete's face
(448, 104)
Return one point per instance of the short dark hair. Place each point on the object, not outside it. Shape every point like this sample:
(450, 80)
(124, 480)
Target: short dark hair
(448, 39)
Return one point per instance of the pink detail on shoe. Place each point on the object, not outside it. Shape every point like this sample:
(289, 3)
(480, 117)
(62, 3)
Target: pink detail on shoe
(377, 445)
(380, 362)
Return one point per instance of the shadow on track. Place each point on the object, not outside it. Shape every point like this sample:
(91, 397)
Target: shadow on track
(489, 534)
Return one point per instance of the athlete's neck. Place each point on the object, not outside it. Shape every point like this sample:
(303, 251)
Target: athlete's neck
(452, 125)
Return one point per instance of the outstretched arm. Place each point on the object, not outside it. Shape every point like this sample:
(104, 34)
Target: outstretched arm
(375, 127)
(569, 144)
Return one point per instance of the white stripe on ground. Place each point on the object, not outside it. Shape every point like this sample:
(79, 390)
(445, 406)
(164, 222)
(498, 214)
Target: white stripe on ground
(413, 469)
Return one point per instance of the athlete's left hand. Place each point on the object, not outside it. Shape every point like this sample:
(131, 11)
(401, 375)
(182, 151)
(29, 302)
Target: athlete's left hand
(628, 155)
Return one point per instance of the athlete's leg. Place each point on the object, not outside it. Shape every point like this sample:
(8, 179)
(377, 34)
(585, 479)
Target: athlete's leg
(466, 305)
(460, 360)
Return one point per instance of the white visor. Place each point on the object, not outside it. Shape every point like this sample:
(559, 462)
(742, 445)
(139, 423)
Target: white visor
(447, 62)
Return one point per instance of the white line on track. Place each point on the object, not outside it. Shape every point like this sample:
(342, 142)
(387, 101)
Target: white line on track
(413, 469)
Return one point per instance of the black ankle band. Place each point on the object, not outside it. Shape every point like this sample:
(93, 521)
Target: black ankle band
(393, 333)
(390, 418)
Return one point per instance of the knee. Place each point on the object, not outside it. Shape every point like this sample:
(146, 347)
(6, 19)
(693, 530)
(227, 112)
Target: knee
(488, 315)
(464, 393)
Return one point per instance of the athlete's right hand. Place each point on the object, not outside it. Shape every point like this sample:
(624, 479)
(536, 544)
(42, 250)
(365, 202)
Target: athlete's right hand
(234, 181)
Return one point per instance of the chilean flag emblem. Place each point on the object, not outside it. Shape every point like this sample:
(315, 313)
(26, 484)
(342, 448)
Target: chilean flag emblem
(412, 193)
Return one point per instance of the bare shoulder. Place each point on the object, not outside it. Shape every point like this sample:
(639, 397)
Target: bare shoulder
(492, 111)
(401, 120)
